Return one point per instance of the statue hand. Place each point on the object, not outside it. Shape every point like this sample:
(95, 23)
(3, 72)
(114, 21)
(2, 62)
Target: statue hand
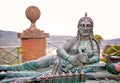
(71, 59)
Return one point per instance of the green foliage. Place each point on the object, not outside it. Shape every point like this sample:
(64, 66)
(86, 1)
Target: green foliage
(117, 47)
(19, 49)
(104, 60)
(111, 50)
(98, 38)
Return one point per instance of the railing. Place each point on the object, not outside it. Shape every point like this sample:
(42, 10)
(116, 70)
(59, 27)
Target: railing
(10, 55)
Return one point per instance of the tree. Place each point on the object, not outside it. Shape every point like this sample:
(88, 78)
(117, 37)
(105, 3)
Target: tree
(98, 38)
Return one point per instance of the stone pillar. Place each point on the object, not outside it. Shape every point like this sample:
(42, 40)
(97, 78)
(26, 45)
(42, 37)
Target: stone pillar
(33, 40)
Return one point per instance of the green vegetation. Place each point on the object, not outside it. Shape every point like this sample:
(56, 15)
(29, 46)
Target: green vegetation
(98, 38)
(110, 51)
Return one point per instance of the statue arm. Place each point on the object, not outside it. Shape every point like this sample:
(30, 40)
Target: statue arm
(95, 58)
(62, 52)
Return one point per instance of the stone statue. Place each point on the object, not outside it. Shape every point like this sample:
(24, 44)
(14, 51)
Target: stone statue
(77, 59)
(81, 50)
(76, 54)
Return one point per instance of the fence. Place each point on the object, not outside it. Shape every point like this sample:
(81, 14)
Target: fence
(10, 55)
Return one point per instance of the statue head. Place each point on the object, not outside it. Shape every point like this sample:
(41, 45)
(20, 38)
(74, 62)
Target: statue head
(85, 26)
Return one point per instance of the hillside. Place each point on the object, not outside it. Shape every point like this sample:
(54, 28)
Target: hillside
(9, 38)
(112, 41)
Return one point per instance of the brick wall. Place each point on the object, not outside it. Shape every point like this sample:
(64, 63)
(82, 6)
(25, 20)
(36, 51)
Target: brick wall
(33, 48)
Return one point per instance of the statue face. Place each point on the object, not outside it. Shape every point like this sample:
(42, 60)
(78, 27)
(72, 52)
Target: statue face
(85, 28)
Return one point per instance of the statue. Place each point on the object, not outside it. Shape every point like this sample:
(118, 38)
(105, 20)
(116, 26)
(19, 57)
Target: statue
(81, 50)
(80, 53)
(75, 52)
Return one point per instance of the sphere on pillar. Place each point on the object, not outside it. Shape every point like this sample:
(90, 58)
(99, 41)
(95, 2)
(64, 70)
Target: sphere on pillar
(33, 13)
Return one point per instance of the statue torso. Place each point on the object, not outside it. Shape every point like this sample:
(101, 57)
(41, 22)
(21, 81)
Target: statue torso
(74, 50)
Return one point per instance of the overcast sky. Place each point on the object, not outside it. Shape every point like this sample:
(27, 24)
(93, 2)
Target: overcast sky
(60, 17)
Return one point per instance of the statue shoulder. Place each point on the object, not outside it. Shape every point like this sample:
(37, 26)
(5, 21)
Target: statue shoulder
(71, 39)
(68, 43)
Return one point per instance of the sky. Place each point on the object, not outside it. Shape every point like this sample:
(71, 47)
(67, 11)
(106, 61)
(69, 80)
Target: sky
(60, 17)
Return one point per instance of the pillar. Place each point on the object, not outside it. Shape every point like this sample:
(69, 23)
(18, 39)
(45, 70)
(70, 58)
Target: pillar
(33, 40)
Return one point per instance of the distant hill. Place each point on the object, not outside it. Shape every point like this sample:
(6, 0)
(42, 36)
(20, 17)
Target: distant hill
(9, 38)
(112, 41)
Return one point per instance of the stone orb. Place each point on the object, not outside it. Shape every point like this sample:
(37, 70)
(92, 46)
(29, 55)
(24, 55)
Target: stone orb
(33, 13)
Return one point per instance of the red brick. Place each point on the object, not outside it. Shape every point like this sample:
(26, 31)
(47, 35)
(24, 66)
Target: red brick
(33, 49)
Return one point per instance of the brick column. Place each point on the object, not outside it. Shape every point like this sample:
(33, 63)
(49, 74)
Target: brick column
(33, 40)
